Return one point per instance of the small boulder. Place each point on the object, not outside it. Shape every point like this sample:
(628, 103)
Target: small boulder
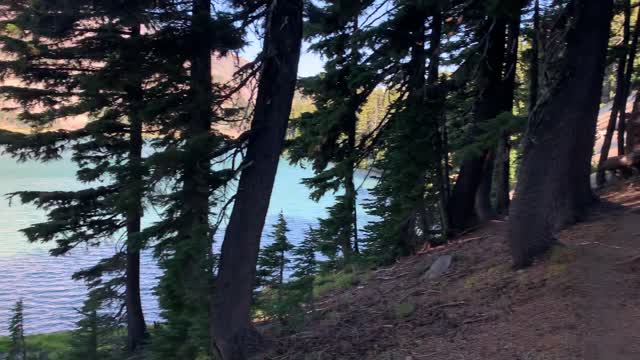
(439, 267)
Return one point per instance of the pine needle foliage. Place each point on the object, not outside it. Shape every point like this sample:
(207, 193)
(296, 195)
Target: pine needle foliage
(327, 137)
(18, 345)
(274, 258)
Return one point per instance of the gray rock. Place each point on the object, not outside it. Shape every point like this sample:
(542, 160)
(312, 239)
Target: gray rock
(439, 267)
(425, 264)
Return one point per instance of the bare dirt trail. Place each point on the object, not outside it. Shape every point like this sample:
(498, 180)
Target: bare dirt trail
(608, 281)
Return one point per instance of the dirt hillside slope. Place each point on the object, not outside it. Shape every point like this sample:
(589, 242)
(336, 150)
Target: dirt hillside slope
(580, 303)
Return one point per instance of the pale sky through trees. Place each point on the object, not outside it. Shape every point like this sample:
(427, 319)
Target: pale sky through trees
(310, 63)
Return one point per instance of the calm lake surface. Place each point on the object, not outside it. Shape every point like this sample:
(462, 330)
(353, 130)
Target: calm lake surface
(44, 282)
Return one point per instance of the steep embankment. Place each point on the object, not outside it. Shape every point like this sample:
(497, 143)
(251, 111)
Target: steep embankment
(579, 303)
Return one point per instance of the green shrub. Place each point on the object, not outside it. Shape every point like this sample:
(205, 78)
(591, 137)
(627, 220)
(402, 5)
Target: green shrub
(325, 283)
(405, 309)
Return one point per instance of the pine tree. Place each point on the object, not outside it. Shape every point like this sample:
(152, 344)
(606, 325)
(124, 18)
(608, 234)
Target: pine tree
(477, 167)
(305, 264)
(94, 337)
(629, 71)
(534, 70)
(186, 148)
(85, 67)
(273, 259)
(502, 183)
(554, 180)
(616, 119)
(411, 161)
(327, 136)
(239, 255)
(273, 262)
(130, 82)
(17, 346)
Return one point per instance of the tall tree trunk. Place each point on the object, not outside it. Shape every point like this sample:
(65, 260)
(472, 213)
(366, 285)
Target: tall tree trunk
(92, 341)
(503, 174)
(283, 260)
(188, 273)
(534, 71)
(416, 99)
(619, 101)
(435, 98)
(633, 137)
(462, 204)
(350, 188)
(503, 158)
(444, 177)
(633, 48)
(350, 193)
(483, 208)
(553, 183)
(241, 244)
(136, 326)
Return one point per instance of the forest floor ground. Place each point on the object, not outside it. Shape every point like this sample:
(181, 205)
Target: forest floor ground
(581, 302)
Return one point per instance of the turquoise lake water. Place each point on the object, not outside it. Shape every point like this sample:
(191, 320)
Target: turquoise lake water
(44, 283)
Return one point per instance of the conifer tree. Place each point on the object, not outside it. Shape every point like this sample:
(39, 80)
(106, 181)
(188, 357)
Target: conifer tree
(411, 140)
(503, 147)
(273, 259)
(554, 181)
(239, 254)
(477, 167)
(305, 264)
(186, 148)
(616, 118)
(534, 69)
(89, 62)
(327, 136)
(629, 72)
(17, 346)
(129, 81)
(94, 337)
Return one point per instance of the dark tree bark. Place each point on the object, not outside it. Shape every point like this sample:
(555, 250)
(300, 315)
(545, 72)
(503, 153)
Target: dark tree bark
(136, 326)
(462, 204)
(350, 189)
(534, 71)
(503, 158)
(633, 131)
(633, 48)
(619, 100)
(241, 244)
(553, 184)
(188, 271)
(444, 177)
(416, 100)
(350, 193)
(503, 174)
(436, 100)
(483, 208)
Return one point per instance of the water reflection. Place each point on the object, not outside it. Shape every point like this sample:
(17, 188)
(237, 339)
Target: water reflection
(50, 296)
